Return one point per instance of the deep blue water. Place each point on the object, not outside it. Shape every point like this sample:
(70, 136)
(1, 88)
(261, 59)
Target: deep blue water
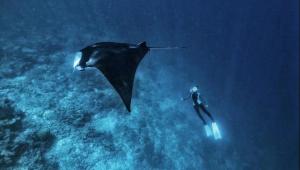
(244, 56)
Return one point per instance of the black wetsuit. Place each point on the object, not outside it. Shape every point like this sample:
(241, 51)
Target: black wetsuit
(200, 104)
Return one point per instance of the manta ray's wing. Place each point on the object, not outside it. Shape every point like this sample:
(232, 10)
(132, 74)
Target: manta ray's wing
(119, 68)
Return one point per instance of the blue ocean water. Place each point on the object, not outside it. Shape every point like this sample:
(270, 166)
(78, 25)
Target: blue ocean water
(243, 55)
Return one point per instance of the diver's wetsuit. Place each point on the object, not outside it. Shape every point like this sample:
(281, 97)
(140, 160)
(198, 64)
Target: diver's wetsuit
(199, 104)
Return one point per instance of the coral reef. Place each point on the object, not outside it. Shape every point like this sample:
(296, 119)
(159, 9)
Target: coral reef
(21, 142)
(11, 127)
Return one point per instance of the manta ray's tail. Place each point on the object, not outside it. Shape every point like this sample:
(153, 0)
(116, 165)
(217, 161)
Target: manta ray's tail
(165, 48)
(143, 44)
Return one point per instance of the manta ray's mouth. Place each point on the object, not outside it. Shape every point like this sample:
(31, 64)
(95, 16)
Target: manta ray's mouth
(79, 68)
(76, 62)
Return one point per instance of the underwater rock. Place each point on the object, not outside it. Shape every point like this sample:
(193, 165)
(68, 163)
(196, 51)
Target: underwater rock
(12, 65)
(42, 139)
(105, 139)
(77, 119)
(38, 142)
(19, 142)
(10, 128)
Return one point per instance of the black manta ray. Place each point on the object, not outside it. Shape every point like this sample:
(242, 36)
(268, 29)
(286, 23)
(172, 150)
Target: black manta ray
(117, 61)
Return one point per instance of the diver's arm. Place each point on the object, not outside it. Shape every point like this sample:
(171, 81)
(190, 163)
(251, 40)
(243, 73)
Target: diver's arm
(185, 98)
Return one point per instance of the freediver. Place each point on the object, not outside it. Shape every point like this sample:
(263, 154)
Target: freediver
(200, 105)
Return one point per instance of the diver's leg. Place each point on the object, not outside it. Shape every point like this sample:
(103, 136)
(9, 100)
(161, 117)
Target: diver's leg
(216, 131)
(207, 112)
(215, 128)
(199, 114)
(206, 127)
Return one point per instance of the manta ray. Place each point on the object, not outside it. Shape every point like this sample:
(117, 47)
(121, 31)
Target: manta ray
(117, 61)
